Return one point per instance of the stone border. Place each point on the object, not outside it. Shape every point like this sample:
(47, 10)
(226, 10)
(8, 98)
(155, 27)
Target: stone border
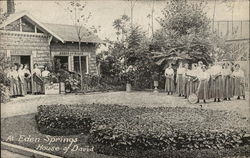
(26, 151)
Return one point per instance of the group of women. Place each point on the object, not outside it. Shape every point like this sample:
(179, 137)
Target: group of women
(23, 82)
(218, 81)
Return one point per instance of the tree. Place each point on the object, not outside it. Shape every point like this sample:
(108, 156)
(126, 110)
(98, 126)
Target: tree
(121, 26)
(184, 33)
(77, 12)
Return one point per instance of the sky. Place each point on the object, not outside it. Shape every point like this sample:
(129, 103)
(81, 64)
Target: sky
(104, 12)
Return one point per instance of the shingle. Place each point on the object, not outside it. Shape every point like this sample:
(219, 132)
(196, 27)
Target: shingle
(69, 34)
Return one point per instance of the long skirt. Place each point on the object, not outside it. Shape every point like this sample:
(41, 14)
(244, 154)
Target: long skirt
(185, 86)
(37, 87)
(188, 87)
(22, 86)
(28, 84)
(180, 85)
(195, 85)
(217, 88)
(13, 87)
(18, 87)
(233, 85)
(169, 85)
(210, 88)
(202, 91)
(227, 90)
(239, 89)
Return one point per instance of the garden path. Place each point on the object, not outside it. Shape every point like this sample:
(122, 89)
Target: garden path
(29, 103)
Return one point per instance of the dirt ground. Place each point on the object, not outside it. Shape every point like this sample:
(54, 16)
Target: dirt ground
(29, 103)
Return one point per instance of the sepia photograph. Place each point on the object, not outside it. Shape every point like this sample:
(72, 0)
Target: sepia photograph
(124, 78)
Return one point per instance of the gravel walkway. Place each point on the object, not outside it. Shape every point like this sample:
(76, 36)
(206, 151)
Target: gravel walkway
(29, 103)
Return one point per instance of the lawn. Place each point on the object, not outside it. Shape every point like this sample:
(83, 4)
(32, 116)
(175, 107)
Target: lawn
(146, 121)
(23, 128)
(173, 110)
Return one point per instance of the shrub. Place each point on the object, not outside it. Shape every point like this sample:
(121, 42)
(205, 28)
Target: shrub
(117, 129)
(62, 120)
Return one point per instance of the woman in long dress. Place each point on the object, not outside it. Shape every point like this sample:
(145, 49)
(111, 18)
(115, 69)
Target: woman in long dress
(190, 77)
(180, 80)
(37, 81)
(27, 78)
(195, 81)
(22, 83)
(186, 81)
(13, 87)
(216, 82)
(169, 85)
(227, 82)
(239, 82)
(16, 80)
(202, 92)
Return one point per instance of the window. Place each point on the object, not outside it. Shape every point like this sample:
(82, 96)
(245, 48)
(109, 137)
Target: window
(83, 64)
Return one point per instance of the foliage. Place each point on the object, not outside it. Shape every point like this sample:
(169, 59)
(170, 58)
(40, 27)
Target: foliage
(62, 118)
(184, 33)
(116, 129)
(4, 81)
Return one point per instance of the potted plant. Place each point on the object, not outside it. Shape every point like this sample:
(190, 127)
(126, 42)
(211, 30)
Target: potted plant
(129, 78)
(155, 78)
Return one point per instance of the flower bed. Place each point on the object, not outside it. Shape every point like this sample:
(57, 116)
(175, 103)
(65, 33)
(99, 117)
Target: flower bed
(122, 128)
(62, 120)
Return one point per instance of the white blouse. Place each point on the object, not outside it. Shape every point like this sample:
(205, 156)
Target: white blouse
(169, 71)
(37, 71)
(181, 71)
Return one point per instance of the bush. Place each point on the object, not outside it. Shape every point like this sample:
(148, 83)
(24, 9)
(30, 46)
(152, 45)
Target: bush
(118, 130)
(5, 93)
(62, 120)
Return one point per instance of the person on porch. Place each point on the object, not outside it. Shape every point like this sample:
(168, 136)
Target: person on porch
(27, 78)
(37, 80)
(22, 83)
(169, 74)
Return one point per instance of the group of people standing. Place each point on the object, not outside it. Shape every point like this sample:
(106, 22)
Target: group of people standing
(23, 81)
(220, 81)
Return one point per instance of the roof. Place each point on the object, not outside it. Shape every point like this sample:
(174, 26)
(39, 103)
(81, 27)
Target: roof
(64, 33)
(69, 33)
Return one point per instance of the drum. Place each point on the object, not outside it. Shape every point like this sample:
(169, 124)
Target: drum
(193, 98)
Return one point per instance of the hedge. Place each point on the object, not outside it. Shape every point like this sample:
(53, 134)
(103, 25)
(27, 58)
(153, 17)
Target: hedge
(122, 128)
(62, 120)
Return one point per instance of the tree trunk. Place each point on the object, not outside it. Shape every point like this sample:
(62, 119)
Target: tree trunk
(80, 64)
(213, 15)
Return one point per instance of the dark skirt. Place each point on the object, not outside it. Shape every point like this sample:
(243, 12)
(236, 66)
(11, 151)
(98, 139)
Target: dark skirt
(37, 86)
(180, 85)
(188, 87)
(239, 89)
(202, 91)
(217, 88)
(195, 84)
(227, 90)
(169, 85)
(13, 87)
(22, 86)
(28, 84)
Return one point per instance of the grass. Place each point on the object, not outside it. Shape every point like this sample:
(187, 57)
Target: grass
(25, 126)
(183, 117)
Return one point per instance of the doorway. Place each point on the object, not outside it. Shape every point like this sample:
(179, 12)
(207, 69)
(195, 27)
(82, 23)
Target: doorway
(21, 59)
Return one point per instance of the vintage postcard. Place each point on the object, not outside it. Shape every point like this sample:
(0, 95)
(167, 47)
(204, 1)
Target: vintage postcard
(124, 78)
